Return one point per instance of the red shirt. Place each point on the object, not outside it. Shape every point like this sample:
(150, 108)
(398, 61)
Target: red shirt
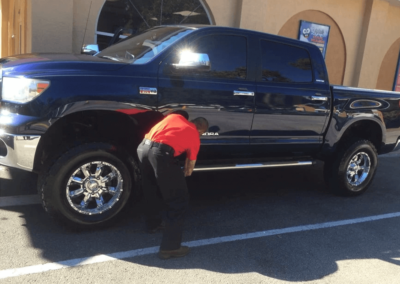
(175, 131)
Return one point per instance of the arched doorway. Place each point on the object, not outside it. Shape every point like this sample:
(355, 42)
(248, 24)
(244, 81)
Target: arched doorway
(336, 51)
(388, 67)
(128, 17)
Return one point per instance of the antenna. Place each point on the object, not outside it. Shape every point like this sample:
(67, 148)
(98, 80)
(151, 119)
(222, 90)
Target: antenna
(162, 4)
(139, 14)
(87, 21)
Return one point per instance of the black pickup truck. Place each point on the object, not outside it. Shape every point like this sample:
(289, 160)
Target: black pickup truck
(77, 119)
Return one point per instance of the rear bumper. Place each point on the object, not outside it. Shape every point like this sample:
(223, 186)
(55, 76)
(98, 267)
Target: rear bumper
(18, 151)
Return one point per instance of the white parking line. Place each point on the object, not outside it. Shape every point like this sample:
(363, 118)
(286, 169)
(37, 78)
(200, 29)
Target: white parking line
(19, 200)
(138, 252)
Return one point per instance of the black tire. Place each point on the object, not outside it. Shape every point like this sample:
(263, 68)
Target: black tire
(53, 181)
(349, 179)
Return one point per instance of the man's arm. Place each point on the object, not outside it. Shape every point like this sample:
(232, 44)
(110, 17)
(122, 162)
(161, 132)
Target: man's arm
(191, 152)
(189, 166)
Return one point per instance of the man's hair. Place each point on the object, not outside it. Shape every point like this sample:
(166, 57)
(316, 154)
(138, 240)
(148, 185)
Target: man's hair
(201, 123)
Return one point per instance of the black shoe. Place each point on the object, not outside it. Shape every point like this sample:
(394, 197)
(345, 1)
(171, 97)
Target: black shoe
(166, 254)
(156, 229)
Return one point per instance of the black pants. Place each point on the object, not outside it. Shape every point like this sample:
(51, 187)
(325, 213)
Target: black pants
(165, 190)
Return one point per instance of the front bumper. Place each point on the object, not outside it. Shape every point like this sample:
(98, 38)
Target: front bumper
(18, 151)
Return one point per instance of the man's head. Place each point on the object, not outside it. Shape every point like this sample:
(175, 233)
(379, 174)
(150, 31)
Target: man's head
(201, 124)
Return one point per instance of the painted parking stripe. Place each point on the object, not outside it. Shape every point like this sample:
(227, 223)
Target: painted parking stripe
(151, 250)
(19, 200)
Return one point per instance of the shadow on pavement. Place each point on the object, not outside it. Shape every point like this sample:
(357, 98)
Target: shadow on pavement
(239, 202)
(16, 182)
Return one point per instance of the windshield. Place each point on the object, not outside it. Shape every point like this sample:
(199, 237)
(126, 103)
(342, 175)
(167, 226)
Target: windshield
(142, 48)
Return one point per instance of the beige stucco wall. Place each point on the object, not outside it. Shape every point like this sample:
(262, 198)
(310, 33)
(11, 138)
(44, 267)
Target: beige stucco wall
(376, 44)
(253, 15)
(387, 69)
(52, 25)
(369, 27)
(348, 15)
(226, 12)
(390, 40)
(367, 36)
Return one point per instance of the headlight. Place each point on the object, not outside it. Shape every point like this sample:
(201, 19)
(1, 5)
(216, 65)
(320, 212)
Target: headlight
(22, 90)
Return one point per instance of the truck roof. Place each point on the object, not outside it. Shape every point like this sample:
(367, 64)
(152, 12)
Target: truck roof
(271, 36)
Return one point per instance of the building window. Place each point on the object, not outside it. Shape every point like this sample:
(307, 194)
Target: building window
(121, 18)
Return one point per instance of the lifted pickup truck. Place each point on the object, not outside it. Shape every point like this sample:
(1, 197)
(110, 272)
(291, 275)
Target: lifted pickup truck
(77, 119)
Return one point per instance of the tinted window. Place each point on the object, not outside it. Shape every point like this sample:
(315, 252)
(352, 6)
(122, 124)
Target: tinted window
(285, 63)
(228, 55)
(142, 48)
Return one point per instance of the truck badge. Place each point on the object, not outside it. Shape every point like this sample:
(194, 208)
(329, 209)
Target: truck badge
(147, 91)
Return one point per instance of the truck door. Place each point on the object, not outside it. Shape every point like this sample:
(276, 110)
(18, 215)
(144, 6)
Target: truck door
(223, 95)
(291, 109)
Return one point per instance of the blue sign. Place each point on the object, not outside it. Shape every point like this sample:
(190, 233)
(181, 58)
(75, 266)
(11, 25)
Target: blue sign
(316, 34)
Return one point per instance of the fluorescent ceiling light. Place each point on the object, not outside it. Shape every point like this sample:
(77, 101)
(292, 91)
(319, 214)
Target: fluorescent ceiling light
(189, 13)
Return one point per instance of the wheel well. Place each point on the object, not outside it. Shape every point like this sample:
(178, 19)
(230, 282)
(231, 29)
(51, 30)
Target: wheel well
(368, 130)
(112, 127)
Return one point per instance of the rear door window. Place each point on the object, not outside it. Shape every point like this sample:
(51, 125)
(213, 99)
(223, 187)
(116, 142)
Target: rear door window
(285, 63)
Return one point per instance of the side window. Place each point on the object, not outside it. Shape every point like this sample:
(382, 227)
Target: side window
(228, 55)
(285, 63)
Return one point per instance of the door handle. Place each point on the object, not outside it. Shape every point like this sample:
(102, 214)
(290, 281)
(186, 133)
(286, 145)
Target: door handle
(317, 98)
(243, 93)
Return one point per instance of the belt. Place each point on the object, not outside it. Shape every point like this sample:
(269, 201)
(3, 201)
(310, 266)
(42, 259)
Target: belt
(160, 146)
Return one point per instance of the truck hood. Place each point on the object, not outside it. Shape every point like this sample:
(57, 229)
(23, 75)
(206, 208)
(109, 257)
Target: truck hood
(56, 64)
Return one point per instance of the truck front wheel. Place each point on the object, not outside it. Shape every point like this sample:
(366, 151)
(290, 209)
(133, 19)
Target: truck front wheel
(351, 170)
(86, 186)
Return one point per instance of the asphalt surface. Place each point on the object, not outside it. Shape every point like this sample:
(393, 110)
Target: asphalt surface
(222, 204)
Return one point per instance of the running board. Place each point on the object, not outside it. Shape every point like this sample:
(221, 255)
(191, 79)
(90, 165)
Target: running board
(254, 166)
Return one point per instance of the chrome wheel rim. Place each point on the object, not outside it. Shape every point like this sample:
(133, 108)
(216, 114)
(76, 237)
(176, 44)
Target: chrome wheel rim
(94, 188)
(358, 169)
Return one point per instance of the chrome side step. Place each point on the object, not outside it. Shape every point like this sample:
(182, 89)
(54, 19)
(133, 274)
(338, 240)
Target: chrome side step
(254, 166)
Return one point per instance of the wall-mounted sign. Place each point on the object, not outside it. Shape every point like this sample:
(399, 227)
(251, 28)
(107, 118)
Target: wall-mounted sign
(316, 34)
(396, 85)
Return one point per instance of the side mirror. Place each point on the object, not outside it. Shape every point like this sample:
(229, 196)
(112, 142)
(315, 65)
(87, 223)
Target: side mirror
(90, 49)
(193, 61)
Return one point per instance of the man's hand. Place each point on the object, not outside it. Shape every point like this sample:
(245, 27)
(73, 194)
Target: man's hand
(189, 166)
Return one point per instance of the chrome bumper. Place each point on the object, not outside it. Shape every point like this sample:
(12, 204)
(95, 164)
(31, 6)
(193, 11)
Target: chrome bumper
(18, 151)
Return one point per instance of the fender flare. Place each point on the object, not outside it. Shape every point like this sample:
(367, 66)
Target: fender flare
(334, 136)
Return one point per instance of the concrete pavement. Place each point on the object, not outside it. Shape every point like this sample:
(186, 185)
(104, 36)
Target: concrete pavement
(225, 204)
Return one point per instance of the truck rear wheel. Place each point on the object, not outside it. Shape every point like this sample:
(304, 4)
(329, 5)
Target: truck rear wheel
(351, 170)
(87, 186)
